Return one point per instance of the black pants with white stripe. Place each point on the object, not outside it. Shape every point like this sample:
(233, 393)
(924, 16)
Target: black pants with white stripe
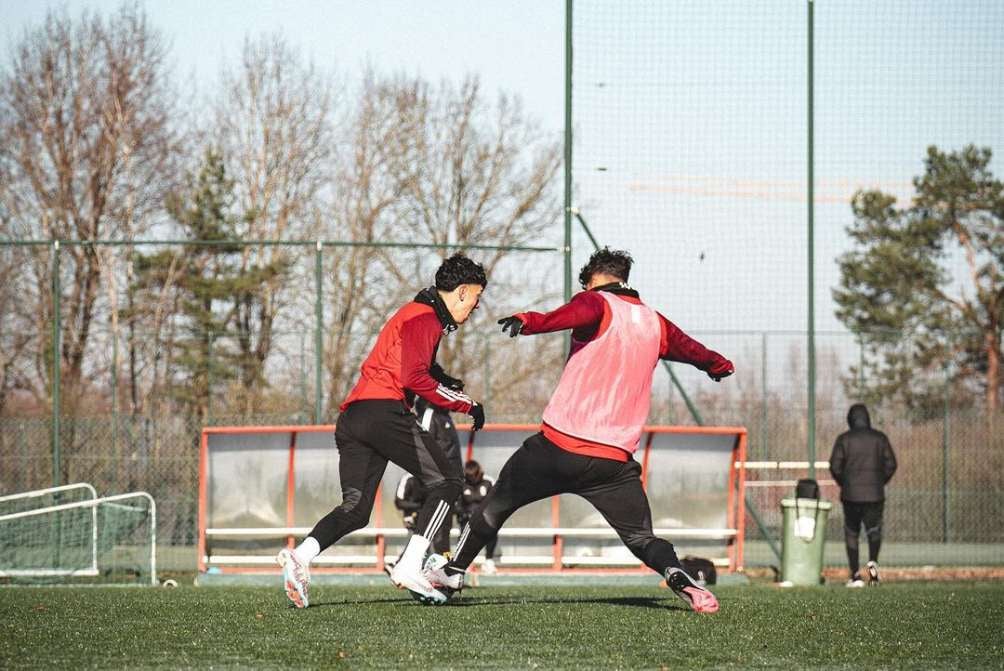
(540, 469)
(368, 435)
(439, 424)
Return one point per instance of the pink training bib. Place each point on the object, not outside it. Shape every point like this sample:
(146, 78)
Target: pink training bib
(604, 393)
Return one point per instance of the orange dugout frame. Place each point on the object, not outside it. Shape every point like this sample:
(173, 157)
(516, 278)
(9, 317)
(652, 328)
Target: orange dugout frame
(260, 485)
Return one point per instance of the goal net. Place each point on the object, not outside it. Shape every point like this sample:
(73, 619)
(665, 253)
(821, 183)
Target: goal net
(69, 534)
(262, 488)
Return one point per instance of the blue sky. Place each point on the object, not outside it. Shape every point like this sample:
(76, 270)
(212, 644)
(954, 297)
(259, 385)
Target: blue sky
(515, 46)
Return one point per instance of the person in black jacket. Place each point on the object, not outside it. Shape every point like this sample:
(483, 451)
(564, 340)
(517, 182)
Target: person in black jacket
(476, 487)
(411, 493)
(862, 463)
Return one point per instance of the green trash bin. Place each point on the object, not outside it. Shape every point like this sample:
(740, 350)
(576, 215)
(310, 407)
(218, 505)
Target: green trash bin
(804, 538)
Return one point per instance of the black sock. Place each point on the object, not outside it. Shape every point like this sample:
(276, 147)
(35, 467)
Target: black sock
(475, 536)
(660, 555)
(873, 550)
(852, 560)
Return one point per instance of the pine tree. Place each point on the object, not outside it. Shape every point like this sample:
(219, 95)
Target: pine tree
(919, 321)
(211, 294)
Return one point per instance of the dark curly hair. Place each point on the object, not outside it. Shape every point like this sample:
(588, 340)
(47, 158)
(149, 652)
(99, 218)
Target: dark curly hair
(457, 270)
(608, 261)
(473, 471)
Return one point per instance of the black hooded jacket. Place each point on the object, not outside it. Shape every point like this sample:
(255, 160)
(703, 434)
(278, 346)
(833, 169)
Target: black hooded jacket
(862, 461)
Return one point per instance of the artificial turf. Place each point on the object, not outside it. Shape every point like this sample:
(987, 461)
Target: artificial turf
(909, 625)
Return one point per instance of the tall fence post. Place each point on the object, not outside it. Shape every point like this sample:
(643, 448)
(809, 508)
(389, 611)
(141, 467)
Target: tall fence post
(318, 333)
(944, 462)
(567, 249)
(488, 370)
(810, 197)
(115, 393)
(763, 396)
(209, 378)
(56, 365)
(303, 377)
(861, 368)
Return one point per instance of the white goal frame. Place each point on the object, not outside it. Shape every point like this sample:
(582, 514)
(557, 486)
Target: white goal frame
(38, 493)
(93, 505)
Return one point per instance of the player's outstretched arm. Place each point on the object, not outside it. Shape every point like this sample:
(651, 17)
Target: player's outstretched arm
(512, 325)
(584, 310)
(678, 346)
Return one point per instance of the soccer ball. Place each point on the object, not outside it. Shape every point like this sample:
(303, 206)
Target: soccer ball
(432, 563)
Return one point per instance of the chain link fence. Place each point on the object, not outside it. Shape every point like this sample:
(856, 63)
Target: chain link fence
(689, 126)
(945, 503)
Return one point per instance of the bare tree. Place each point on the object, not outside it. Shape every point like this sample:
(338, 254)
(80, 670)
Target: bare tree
(85, 144)
(16, 335)
(484, 174)
(366, 187)
(436, 166)
(273, 122)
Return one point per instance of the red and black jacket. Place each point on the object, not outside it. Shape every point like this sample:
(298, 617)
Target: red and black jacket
(403, 364)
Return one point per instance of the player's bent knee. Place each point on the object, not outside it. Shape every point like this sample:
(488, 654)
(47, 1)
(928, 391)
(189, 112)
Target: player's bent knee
(482, 526)
(355, 520)
(638, 544)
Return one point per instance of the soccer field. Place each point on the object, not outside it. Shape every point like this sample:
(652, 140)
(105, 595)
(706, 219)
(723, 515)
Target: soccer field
(910, 625)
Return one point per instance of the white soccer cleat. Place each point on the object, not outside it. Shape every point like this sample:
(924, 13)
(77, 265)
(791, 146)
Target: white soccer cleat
(445, 583)
(856, 581)
(698, 598)
(405, 575)
(296, 577)
(419, 587)
(488, 568)
(409, 572)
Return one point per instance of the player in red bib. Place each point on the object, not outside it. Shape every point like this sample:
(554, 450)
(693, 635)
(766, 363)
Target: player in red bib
(593, 423)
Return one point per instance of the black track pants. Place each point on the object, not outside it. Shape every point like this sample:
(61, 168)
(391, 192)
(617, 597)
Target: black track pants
(540, 469)
(368, 435)
(857, 515)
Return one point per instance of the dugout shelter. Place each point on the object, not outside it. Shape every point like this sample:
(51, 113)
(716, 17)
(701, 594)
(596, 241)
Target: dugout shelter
(263, 487)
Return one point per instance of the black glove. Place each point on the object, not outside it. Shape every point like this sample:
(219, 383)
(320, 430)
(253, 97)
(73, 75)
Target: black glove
(513, 325)
(439, 375)
(477, 413)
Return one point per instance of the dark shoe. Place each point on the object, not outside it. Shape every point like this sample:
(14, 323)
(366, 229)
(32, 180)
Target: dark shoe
(699, 599)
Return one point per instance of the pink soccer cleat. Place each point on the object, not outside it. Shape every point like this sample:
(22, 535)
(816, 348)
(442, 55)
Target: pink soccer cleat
(699, 599)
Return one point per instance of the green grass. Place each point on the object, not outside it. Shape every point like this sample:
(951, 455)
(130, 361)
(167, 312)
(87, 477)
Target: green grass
(915, 625)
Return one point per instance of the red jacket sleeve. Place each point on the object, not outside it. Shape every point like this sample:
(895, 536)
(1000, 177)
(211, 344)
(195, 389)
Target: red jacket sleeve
(583, 311)
(678, 346)
(419, 337)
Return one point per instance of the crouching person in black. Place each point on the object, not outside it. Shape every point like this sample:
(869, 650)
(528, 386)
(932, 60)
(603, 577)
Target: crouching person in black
(476, 488)
(411, 494)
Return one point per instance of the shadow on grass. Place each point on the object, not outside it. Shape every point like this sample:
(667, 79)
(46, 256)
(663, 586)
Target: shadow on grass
(658, 603)
(359, 602)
